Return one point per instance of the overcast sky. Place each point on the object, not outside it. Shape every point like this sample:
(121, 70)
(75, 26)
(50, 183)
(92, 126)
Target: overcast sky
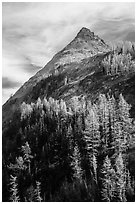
(34, 32)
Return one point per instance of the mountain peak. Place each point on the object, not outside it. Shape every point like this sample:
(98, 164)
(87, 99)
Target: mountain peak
(85, 44)
(85, 33)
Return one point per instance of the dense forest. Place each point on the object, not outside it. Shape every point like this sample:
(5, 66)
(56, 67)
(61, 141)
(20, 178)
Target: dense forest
(80, 153)
(73, 151)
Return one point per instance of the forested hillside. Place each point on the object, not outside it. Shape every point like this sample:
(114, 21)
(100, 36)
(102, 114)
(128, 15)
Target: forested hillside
(70, 136)
(77, 153)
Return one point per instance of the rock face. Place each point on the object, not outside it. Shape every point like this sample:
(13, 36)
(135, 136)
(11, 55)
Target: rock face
(80, 62)
(87, 35)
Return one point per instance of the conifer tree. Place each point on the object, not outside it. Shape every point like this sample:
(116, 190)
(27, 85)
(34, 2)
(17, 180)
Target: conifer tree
(103, 114)
(119, 142)
(94, 164)
(125, 120)
(129, 186)
(27, 155)
(120, 179)
(92, 138)
(108, 181)
(39, 104)
(14, 189)
(26, 110)
(76, 163)
(128, 181)
(123, 127)
(38, 192)
(91, 133)
(112, 121)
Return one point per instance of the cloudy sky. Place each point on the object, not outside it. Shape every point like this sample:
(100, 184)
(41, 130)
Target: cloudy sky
(33, 32)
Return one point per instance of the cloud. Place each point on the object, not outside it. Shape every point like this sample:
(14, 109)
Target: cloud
(29, 67)
(33, 32)
(130, 36)
(115, 29)
(8, 84)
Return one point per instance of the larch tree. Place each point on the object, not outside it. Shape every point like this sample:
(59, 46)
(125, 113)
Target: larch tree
(123, 127)
(108, 181)
(120, 179)
(125, 120)
(92, 138)
(103, 115)
(112, 120)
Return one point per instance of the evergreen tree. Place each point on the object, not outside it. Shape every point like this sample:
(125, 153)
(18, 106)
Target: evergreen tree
(76, 163)
(120, 179)
(94, 164)
(92, 138)
(129, 187)
(122, 127)
(91, 133)
(111, 124)
(38, 192)
(14, 189)
(27, 155)
(108, 181)
(125, 120)
(128, 181)
(26, 110)
(103, 114)
(39, 104)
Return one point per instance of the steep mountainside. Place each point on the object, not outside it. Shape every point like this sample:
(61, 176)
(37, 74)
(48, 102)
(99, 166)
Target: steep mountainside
(75, 70)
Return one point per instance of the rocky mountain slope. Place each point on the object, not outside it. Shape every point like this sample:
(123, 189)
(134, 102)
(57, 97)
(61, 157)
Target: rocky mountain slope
(75, 70)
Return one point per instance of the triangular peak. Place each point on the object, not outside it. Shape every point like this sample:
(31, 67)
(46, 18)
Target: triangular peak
(84, 33)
